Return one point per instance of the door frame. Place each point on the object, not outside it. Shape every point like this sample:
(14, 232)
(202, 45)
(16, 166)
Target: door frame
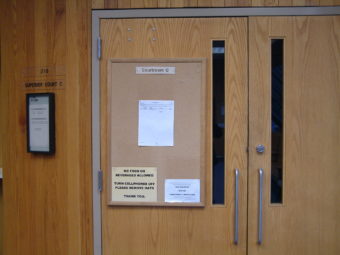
(97, 15)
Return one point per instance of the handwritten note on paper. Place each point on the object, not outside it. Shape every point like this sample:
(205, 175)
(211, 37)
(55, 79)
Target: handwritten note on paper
(156, 123)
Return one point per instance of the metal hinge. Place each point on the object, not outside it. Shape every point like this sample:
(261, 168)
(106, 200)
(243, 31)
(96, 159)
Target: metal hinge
(100, 180)
(99, 48)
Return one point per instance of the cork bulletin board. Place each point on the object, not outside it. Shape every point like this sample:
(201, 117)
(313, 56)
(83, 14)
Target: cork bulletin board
(156, 128)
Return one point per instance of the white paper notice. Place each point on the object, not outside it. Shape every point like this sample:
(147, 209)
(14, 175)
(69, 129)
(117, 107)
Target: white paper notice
(134, 184)
(39, 124)
(156, 123)
(182, 190)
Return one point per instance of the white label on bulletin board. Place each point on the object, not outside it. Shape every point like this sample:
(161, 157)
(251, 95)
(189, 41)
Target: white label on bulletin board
(156, 123)
(182, 190)
(155, 70)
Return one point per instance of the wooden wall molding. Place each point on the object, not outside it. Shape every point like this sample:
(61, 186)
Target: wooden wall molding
(126, 4)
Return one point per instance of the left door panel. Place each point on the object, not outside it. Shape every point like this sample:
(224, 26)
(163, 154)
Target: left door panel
(186, 230)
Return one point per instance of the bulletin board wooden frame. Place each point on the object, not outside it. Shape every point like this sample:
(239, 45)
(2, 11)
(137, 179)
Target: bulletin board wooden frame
(186, 159)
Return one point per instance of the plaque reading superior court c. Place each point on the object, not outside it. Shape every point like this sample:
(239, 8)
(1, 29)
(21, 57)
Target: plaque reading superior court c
(134, 184)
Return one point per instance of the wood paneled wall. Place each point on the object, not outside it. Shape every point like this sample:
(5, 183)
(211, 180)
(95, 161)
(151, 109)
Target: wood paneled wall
(3, 100)
(1, 220)
(117, 4)
(47, 199)
(2, 109)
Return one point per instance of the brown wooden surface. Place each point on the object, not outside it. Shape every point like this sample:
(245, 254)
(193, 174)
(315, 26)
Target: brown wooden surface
(48, 201)
(99, 4)
(1, 219)
(114, 4)
(47, 198)
(187, 88)
(3, 103)
(3, 111)
(307, 221)
(208, 230)
(2, 114)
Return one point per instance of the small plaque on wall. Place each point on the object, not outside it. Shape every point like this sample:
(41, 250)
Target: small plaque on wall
(40, 123)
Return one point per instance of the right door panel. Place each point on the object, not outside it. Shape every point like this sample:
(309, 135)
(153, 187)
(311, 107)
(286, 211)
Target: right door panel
(307, 220)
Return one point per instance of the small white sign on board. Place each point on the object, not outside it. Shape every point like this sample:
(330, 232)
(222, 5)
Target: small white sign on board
(182, 190)
(155, 70)
(134, 184)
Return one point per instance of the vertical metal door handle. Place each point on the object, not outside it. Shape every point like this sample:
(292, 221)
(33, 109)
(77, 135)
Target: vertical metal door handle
(236, 207)
(260, 233)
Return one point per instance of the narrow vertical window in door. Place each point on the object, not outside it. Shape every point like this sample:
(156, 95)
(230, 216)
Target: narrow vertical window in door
(276, 193)
(218, 63)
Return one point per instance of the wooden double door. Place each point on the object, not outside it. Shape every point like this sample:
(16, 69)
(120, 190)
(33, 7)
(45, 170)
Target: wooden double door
(306, 217)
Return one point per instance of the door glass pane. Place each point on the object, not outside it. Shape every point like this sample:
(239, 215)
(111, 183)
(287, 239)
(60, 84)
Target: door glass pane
(218, 63)
(277, 120)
